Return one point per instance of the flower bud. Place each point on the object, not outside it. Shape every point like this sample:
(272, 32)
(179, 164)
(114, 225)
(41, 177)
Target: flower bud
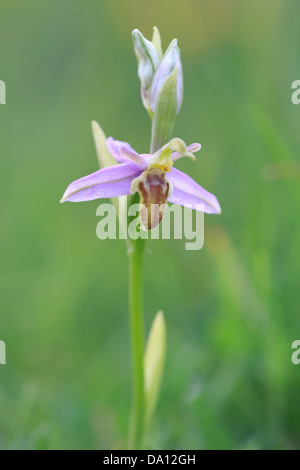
(148, 56)
(170, 61)
(154, 68)
(154, 362)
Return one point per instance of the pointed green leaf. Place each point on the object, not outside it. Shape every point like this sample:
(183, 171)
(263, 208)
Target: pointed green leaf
(165, 113)
(106, 159)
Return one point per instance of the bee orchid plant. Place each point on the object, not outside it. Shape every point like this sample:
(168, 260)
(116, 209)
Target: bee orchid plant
(152, 178)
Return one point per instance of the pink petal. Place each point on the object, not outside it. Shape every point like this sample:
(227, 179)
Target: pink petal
(112, 181)
(124, 153)
(187, 192)
(191, 149)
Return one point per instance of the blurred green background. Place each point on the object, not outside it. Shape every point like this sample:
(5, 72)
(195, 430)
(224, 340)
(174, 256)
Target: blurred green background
(232, 308)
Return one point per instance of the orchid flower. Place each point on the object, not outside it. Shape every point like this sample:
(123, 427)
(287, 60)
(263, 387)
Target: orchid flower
(151, 175)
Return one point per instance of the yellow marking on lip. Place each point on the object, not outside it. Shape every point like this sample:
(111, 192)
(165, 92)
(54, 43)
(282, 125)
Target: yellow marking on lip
(165, 167)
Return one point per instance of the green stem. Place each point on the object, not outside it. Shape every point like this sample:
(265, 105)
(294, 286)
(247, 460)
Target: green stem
(135, 253)
(137, 423)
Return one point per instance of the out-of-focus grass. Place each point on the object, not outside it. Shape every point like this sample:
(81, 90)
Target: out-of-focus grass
(231, 308)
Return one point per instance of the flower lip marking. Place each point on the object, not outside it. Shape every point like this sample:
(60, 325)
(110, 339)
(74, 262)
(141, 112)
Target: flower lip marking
(163, 167)
(154, 190)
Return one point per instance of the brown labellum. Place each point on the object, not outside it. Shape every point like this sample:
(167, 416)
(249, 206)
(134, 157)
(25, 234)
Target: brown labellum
(154, 189)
